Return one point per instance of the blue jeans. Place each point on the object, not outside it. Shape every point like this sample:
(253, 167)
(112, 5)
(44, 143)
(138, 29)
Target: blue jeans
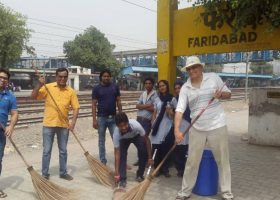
(103, 124)
(62, 139)
(2, 147)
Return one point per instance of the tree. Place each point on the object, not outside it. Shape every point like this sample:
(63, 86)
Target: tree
(91, 49)
(13, 36)
(242, 13)
(261, 68)
(213, 67)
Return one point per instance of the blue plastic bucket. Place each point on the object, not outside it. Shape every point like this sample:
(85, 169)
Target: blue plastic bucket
(207, 179)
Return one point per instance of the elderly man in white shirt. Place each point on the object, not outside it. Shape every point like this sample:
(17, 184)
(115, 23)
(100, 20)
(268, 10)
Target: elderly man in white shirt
(209, 129)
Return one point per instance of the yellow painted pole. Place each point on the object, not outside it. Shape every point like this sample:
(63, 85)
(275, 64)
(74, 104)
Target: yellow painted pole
(165, 59)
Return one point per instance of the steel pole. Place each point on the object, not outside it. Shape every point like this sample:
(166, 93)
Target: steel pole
(246, 81)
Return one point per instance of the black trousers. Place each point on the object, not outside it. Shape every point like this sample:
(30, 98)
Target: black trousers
(162, 150)
(179, 156)
(140, 144)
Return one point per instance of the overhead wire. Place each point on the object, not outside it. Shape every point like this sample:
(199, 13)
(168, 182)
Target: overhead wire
(117, 43)
(46, 23)
(44, 33)
(119, 38)
(58, 24)
(68, 37)
(80, 29)
(54, 27)
(42, 44)
(48, 39)
(140, 6)
(52, 46)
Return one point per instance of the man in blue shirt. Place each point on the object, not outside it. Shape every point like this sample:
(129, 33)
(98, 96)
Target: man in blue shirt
(127, 132)
(7, 105)
(105, 97)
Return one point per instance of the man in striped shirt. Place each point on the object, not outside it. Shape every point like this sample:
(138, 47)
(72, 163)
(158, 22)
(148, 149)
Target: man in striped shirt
(209, 129)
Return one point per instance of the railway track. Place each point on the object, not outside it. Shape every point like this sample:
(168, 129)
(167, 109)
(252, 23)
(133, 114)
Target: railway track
(31, 111)
(34, 120)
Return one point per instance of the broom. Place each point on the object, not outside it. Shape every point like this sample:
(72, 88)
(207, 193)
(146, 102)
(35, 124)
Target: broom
(103, 173)
(138, 192)
(45, 189)
(119, 189)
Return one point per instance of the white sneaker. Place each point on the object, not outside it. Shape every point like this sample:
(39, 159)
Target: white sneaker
(227, 196)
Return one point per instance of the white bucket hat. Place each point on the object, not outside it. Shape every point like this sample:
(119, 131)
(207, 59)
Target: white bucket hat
(191, 61)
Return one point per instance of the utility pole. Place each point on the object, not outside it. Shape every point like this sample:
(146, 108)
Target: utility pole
(234, 68)
(246, 81)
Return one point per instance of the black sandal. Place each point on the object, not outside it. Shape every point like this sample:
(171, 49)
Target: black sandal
(181, 198)
(2, 194)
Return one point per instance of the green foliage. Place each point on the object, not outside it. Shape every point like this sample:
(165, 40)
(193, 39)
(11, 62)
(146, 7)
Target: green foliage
(213, 67)
(92, 49)
(261, 68)
(13, 36)
(243, 13)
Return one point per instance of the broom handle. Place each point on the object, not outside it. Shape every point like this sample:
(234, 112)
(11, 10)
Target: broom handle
(59, 111)
(14, 145)
(19, 153)
(150, 167)
(198, 116)
(77, 139)
(191, 124)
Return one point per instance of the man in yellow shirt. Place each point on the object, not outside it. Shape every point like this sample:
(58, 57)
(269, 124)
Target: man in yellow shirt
(56, 118)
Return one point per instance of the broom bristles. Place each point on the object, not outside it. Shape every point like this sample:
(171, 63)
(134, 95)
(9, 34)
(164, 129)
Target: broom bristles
(103, 173)
(46, 190)
(137, 192)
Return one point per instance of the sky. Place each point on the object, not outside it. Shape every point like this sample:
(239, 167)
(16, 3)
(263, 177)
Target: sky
(128, 26)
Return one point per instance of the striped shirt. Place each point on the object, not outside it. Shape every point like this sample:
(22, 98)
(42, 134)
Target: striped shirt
(198, 98)
(150, 99)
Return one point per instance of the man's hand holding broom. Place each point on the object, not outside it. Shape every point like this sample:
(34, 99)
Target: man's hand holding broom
(10, 129)
(117, 178)
(179, 135)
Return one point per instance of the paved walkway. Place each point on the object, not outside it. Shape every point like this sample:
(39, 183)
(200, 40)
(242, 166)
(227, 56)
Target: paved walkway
(255, 169)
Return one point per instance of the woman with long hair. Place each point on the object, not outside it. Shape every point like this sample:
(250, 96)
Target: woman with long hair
(162, 136)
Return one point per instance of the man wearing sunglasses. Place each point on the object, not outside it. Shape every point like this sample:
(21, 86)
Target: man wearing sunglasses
(59, 97)
(8, 105)
(209, 129)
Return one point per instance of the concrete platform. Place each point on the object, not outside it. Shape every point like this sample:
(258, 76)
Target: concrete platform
(255, 169)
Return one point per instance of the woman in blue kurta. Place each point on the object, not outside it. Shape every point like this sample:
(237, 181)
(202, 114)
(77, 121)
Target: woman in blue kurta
(162, 136)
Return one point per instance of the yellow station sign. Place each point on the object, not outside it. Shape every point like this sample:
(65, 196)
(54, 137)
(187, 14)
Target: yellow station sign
(198, 32)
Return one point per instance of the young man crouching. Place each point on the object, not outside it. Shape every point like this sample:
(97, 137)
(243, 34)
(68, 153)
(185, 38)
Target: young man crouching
(127, 132)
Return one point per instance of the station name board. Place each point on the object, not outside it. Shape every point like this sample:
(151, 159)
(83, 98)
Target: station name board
(198, 32)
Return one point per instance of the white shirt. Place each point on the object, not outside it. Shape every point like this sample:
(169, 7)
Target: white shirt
(198, 98)
(146, 99)
(165, 124)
